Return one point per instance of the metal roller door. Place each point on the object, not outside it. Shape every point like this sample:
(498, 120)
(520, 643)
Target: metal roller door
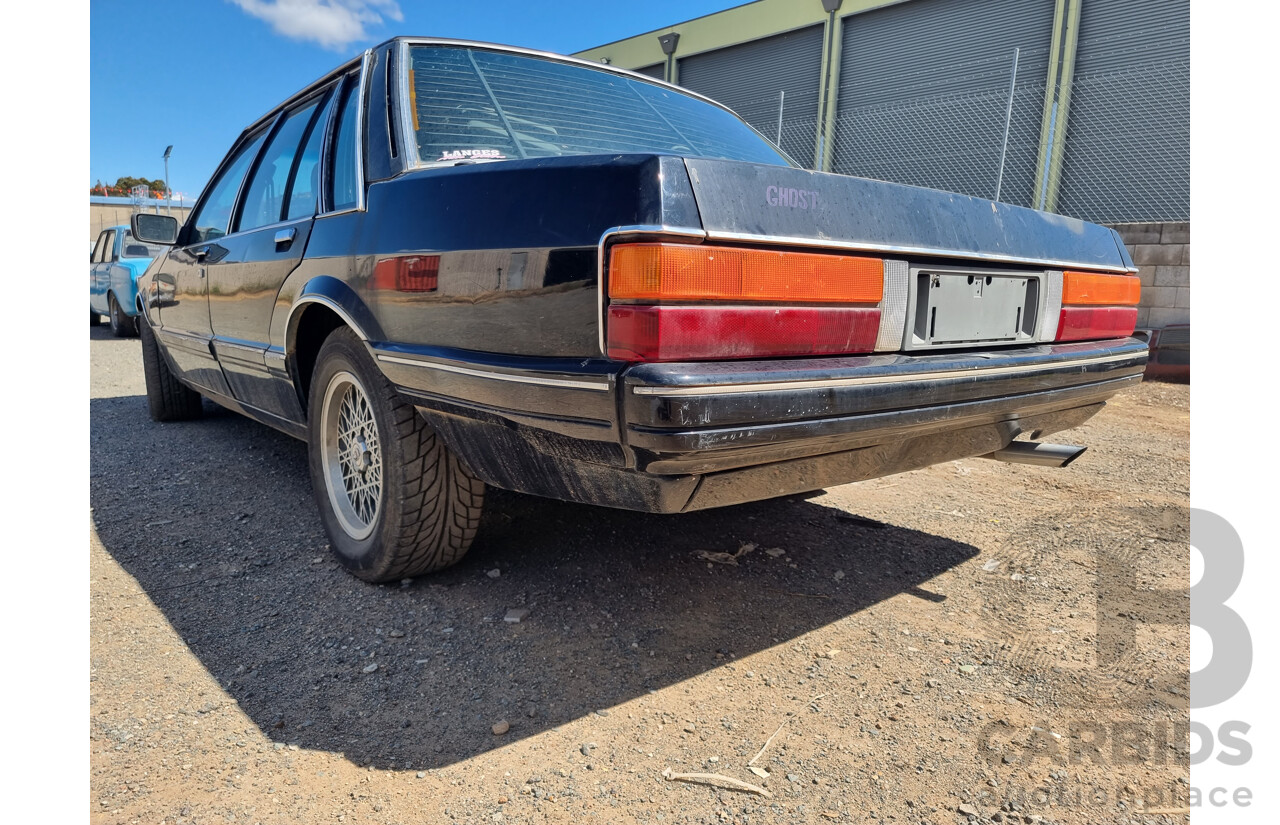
(924, 95)
(657, 70)
(761, 78)
(1128, 148)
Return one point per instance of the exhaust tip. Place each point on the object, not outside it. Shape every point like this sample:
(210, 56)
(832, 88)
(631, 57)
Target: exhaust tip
(1038, 454)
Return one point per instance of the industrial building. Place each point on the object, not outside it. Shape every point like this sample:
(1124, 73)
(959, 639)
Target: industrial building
(1080, 107)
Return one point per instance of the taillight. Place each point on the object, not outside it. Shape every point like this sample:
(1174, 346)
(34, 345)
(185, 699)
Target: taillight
(684, 302)
(680, 272)
(408, 273)
(688, 333)
(1098, 305)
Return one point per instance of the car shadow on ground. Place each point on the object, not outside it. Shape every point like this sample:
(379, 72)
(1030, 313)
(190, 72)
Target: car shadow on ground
(215, 520)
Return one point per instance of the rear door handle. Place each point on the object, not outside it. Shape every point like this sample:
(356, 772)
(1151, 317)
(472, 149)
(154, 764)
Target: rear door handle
(284, 237)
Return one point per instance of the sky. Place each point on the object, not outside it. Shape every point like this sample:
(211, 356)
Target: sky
(194, 73)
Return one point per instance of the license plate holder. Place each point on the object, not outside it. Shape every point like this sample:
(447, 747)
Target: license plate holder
(963, 308)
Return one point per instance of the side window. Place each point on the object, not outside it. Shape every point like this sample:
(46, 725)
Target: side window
(304, 192)
(108, 245)
(214, 217)
(345, 178)
(102, 245)
(264, 199)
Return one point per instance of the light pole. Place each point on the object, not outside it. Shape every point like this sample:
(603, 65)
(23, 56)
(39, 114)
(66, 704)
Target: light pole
(168, 190)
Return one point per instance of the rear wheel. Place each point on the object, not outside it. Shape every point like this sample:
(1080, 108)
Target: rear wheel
(167, 397)
(394, 500)
(122, 326)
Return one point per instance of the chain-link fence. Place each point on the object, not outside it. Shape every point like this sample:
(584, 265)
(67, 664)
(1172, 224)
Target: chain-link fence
(978, 129)
(788, 119)
(1128, 145)
(974, 129)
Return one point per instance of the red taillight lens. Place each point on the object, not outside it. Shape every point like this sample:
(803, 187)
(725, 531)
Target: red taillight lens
(646, 279)
(703, 333)
(689, 272)
(1098, 305)
(1084, 323)
(410, 273)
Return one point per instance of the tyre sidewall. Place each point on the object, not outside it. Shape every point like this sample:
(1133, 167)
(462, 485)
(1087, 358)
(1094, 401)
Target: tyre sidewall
(370, 557)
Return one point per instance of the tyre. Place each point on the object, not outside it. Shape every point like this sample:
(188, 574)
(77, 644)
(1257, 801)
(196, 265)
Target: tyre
(167, 397)
(394, 500)
(122, 326)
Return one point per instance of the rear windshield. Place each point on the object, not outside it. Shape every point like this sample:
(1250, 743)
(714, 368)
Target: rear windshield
(470, 104)
(131, 247)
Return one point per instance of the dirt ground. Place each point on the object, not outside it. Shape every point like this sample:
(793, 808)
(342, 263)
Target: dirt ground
(973, 642)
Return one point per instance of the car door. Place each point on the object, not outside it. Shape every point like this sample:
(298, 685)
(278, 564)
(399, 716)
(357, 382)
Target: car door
(182, 284)
(100, 271)
(270, 235)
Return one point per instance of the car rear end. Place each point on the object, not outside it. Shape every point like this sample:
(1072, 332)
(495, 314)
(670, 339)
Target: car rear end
(797, 341)
(761, 329)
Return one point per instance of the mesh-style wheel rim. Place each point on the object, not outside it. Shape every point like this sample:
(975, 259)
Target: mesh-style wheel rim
(352, 455)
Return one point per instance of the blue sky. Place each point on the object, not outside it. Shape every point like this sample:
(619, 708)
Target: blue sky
(194, 73)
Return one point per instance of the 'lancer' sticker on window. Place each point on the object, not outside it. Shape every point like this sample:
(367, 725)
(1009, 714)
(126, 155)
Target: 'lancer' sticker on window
(472, 154)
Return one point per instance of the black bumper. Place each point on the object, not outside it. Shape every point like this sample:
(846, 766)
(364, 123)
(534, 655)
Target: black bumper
(679, 437)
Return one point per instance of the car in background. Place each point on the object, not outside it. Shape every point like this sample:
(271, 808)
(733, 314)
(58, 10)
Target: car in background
(449, 265)
(115, 262)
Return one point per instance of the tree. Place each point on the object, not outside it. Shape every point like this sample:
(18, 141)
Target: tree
(123, 186)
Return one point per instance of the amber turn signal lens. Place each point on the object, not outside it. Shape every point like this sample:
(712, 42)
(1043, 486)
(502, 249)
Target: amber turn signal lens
(1095, 288)
(687, 272)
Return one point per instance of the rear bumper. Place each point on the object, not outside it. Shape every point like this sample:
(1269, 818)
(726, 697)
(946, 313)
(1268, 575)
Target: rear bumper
(679, 437)
(688, 418)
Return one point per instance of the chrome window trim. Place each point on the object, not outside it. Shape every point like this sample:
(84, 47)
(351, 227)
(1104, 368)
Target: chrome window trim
(942, 252)
(567, 383)
(602, 295)
(827, 383)
(360, 93)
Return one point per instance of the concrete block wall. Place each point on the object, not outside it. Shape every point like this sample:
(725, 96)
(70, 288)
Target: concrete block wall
(1162, 253)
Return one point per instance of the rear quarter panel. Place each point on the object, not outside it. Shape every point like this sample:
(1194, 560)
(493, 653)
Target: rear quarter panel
(517, 245)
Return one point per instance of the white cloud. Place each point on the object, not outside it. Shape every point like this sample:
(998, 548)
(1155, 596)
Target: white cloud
(331, 23)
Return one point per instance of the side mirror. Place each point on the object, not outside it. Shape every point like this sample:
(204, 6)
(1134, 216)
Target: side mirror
(154, 228)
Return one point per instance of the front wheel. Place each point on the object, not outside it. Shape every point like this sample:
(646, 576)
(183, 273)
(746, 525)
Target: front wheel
(394, 500)
(168, 399)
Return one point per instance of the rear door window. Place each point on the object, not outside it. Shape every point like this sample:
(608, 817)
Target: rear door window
(213, 218)
(108, 245)
(102, 245)
(345, 177)
(265, 196)
(304, 192)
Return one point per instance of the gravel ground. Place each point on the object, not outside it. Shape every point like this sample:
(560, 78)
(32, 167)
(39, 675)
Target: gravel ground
(973, 642)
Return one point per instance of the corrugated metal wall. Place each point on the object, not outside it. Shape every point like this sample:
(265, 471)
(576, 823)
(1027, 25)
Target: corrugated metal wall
(1128, 148)
(749, 77)
(924, 91)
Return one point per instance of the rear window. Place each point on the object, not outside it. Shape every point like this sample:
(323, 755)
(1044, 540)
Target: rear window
(131, 247)
(471, 104)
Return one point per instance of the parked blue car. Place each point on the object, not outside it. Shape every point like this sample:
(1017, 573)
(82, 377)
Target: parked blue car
(114, 266)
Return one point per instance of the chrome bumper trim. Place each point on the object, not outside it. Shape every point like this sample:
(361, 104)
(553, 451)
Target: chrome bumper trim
(726, 389)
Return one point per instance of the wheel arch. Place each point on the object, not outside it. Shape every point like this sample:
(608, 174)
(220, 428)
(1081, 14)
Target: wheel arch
(324, 304)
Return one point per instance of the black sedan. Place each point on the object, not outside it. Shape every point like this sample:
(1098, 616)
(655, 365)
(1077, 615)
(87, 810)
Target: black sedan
(448, 265)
